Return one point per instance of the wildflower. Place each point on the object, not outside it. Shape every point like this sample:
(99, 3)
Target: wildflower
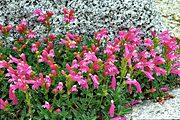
(58, 110)
(119, 118)
(74, 89)
(152, 90)
(95, 79)
(12, 95)
(110, 69)
(3, 104)
(5, 29)
(68, 15)
(164, 89)
(59, 87)
(159, 71)
(175, 68)
(22, 27)
(111, 110)
(135, 83)
(47, 105)
(135, 102)
(113, 83)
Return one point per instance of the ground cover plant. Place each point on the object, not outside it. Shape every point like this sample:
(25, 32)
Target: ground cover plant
(70, 76)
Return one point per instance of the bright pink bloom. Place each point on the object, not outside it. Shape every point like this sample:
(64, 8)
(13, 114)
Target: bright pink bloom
(22, 27)
(110, 69)
(59, 87)
(113, 83)
(164, 89)
(74, 89)
(119, 118)
(3, 104)
(149, 74)
(4, 64)
(100, 35)
(58, 110)
(47, 105)
(136, 84)
(12, 95)
(90, 56)
(83, 83)
(68, 15)
(34, 47)
(148, 43)
(159, 71)
(175, 68)
(83, 64)
(31, 34)
(112, 109)
(95, 79)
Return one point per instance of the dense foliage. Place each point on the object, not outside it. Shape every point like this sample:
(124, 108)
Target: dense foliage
(73, 76)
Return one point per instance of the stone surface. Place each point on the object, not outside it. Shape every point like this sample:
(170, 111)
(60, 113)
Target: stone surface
(170, 12)
(91, 15)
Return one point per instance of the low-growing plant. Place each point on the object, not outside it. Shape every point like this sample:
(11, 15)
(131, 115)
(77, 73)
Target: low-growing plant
(74, 77)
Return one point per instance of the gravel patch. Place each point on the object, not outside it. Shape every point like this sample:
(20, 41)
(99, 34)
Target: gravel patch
(151, 110)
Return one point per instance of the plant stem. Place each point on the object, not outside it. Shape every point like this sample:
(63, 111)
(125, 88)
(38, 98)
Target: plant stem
(28, 100)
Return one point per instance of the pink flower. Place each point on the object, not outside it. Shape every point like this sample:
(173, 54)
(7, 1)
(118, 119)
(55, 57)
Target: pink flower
(34, 47)
(47, 105)
(159, 71)
(31, 34)
(95, 79)
(3, 104)
(90, 56)
(4, 64)
(59, 87)
(83, 83)
(74, 89)
(136, 84)
(149, 75)
(175, 68)
(58, 110)
(12, 95)
(22, 27)
(164, 89)
(119, 118)
(111, 110)
(110, 69)
(100, 35)
(148, 42)
(113, 83)
(68, 16)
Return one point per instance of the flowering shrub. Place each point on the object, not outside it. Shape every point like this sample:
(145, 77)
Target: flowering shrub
(78, 77)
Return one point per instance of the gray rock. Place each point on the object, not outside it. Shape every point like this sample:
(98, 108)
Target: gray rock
(91, 15)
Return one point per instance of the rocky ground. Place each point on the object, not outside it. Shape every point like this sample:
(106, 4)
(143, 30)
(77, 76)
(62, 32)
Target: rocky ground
(170, 13)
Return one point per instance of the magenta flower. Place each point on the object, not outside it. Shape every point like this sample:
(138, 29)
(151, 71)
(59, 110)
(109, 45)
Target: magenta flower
(90, 56)
(159, 71)
(59, 87)
(34, 47)
(148, 43)
(4, 64)
(111, 110)
(149, 74)
(12, 95)
(22, 27)
(95, 79)
(135, 83)
(74, 89)
(3, 104)
(113, 83)
(58, 110)
(164, 89)
(83, 83)
(119, 118)
(47, 106)
(100, 35)
(111, 69)
(68, 15)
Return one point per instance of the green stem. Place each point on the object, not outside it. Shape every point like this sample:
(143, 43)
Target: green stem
(28, 100)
